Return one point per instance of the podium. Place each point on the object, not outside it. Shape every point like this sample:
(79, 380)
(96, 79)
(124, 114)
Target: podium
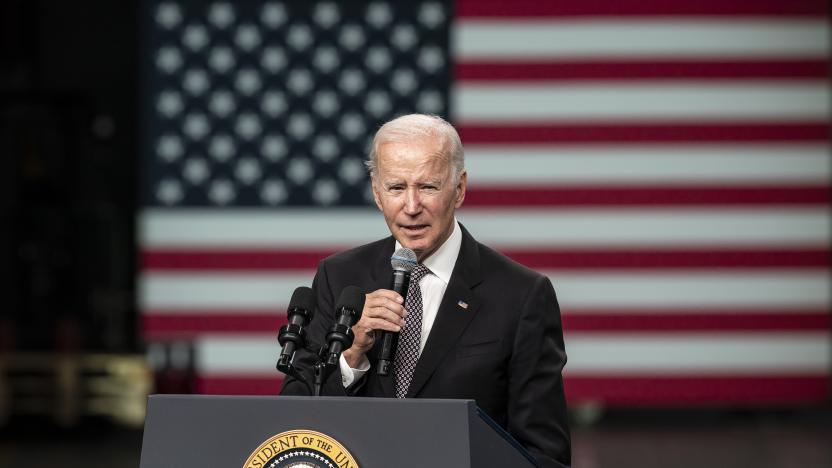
(190, 431)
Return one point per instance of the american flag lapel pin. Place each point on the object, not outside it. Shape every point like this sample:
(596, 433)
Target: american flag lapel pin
(462, 304)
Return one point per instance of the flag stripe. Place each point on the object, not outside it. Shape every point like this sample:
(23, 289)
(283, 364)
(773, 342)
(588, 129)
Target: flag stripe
(643, 132)
(619, 390)
(640, 38)
(532, 9)
(700, 389)
(618, 70)
(547, 228)
(656, 196)
(247, 260)
(626, 289)
(167, 325)
(704, 165)
(641, 101)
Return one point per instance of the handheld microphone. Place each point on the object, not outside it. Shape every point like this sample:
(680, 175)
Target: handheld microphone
(349, 307)
(403, 262)
(292, 335)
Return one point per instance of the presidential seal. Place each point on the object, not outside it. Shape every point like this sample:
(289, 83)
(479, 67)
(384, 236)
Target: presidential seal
(300, 449)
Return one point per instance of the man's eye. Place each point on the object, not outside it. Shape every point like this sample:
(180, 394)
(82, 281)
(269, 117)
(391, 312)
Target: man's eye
(396, 188)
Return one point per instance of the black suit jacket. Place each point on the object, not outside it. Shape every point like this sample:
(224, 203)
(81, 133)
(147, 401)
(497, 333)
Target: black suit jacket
(504, 349)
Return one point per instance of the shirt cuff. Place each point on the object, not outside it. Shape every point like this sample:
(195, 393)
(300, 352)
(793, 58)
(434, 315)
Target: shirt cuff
(349, 375)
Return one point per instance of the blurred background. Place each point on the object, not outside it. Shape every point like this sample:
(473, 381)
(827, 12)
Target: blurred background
(172, 170)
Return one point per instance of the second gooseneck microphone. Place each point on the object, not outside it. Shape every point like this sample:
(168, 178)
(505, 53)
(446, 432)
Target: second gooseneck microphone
(403, 261)
(348, 309)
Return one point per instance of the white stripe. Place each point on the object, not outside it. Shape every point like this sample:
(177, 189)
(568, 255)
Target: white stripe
(240, 355)
(500, 228)
(781, 353)
(735, 354)
(514, 40)
(624, 290)
(627, 101)
(496, 165)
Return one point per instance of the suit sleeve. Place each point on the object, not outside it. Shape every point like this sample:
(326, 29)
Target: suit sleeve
(316, 336)
(537, 406)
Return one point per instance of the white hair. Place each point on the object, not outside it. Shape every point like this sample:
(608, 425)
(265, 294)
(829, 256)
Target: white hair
(416, 126)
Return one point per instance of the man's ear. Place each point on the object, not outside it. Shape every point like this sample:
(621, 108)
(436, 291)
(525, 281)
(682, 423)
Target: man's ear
(460, 188)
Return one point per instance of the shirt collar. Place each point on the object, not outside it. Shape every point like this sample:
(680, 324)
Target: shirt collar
(441, 263)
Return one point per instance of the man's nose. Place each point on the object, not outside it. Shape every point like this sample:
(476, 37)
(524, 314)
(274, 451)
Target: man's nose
(412, 202)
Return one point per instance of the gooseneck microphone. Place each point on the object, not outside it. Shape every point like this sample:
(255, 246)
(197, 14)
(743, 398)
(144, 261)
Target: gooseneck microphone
(348, 311)
(403, 262)
(292, 336)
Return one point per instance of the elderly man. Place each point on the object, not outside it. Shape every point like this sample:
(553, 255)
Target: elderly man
(482, 327)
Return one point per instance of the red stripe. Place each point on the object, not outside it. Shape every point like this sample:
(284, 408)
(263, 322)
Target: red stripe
(162, 325)
(696, 321)
(166, 325)
(500, 9)
(699, 390)
(644, 196)
(624, 70)
(643, 133)
(236, 260)
(624, 390)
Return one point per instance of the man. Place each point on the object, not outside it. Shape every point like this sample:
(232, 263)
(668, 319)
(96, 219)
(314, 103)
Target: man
(486, 328)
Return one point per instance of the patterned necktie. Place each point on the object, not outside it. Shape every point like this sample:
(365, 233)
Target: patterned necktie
(407, 351)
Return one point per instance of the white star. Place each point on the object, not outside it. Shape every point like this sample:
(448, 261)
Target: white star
(170, 148)
(300, 81)
(326, 14)
(196, 170)
(221, 59)
(404, 81)
(273, 103)
(168, 59)
(299, 126)
(431, 14)
(273, 148)
(431, 59)
(248, 125)
(222, 103)
(273, 15)
(404, 37)
(169, 191)
(248, 37)
(352, 125)
(430, 102)
(168, 15)
(325, 59)
(195, 37)
(196, 126)
(273, 59)
(221, 148)
(222, 192)
(247, 170)
(299, 37)
(248, 81)
(352, 170)
(325, 147)
(196, 81)
(325, 103)
(300, 170)
(221, 15)
(169, 103)
(352, 37)
(379, 14)
(378, 59)
(273, 192)
(377, 103)
(352, 81)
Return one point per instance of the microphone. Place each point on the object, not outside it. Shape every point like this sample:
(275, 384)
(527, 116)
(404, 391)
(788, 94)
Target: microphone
(349, 307)
(403, 262)
(292, 335)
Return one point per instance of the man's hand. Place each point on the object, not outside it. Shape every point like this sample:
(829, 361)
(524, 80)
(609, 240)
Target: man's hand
(383, 310)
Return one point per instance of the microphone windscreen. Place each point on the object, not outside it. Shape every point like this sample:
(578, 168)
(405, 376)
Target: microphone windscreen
(303, 298)
(352, 297)
(403, 259)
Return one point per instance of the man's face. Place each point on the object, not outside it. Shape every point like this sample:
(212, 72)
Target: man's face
(415, 190)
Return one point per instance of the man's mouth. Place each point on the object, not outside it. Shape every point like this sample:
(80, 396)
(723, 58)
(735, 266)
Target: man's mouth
(415, 228)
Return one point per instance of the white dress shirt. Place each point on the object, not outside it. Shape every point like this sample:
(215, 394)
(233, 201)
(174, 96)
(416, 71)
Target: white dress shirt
(441, 265)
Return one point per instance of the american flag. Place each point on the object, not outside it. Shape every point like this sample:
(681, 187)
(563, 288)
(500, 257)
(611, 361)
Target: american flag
(665, 163)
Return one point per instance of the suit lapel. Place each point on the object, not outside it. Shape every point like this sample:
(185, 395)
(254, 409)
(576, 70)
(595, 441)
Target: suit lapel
(452, 318)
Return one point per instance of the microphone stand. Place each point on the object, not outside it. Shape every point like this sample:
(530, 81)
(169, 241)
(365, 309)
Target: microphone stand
(323, 369)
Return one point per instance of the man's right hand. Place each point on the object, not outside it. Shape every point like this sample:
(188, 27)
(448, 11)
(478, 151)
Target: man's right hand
(383, 310)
